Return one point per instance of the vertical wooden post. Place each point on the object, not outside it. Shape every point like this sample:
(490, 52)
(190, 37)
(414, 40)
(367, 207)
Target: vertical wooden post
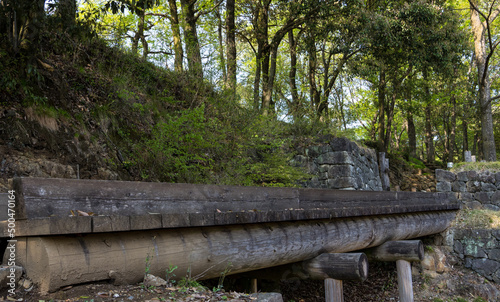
(404, 281)
(254, 285)
(384, 171)
(334, 290)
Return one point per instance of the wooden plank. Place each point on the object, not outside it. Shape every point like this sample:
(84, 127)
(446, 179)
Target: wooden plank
(40, 197)
(207, 251)
(340, 266)
(404, 281)
(409, 250)
(146, 222)
(102, 224)
(334, 290)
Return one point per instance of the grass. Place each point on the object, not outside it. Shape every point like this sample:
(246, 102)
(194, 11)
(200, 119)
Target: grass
(482, 219)
(477, 166)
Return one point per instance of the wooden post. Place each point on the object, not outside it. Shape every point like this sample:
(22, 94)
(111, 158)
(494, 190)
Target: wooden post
(334, 290)
(402, 252)
(404, 281)
(254, 285)
(384, 171)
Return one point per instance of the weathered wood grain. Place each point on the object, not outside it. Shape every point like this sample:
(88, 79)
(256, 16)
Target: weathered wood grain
(409, 250)
(340, 266)
(41, 198)
(405, 286)
(334, 290)
(209, 251)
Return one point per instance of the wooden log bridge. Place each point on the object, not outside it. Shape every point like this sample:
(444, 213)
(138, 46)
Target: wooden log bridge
(204, 230)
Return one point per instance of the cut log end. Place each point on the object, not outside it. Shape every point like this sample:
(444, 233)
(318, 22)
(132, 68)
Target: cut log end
(409, 250)
(349, 266)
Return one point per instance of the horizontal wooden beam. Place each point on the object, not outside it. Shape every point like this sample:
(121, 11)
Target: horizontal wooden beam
(409, 250)
(340, 266)
(50, 197)
(57, 261)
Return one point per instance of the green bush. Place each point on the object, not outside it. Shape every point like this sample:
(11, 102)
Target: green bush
(416, 163)
(179, 149)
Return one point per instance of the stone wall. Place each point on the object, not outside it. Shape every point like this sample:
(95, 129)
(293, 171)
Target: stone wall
(340, 164)
(480, 251)
(473, 189)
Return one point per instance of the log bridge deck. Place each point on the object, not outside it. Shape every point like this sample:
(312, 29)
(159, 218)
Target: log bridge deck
(204, 230)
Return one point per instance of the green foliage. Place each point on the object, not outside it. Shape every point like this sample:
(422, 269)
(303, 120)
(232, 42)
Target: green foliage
(179, 148)
(416, 163)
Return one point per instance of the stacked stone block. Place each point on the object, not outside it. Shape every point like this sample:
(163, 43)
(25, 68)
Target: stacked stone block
(480, 250)
(340, 164)
(474, 189)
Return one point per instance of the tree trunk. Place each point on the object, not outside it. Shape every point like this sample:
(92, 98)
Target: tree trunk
(314, 94)
(191, 38)
(260, 24)
(267, 91)
(381, 110)
(176, 34)
(256, 83)
(390, 118)
(412, 134)
(231, 45)
(292, 75)
(482, 56)
(222, 60)
(429, 137)
(453, 126)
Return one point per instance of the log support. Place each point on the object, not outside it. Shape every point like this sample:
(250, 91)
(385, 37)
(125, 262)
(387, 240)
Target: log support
(334, 290)
(403, 252)
(334, 268)
(404, 281)
(340, 266)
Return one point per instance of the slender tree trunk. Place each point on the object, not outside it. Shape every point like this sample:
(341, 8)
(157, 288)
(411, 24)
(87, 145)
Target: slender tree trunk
(256, 83)
(390, 118)
(231, 44)
(267, 91)
(429, 136)
(314, 94)
(412, 134)
(222, 60)
(176, 34)
(381, 110)
(191, 38)
(260, 24)
(479, 29)
(453, 126)
(292, 75)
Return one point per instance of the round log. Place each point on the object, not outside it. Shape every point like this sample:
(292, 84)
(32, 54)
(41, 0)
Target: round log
(343, 266)
(409, 250)
(206, 252)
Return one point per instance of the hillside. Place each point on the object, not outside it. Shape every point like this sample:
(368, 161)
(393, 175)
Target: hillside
(82, 109)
